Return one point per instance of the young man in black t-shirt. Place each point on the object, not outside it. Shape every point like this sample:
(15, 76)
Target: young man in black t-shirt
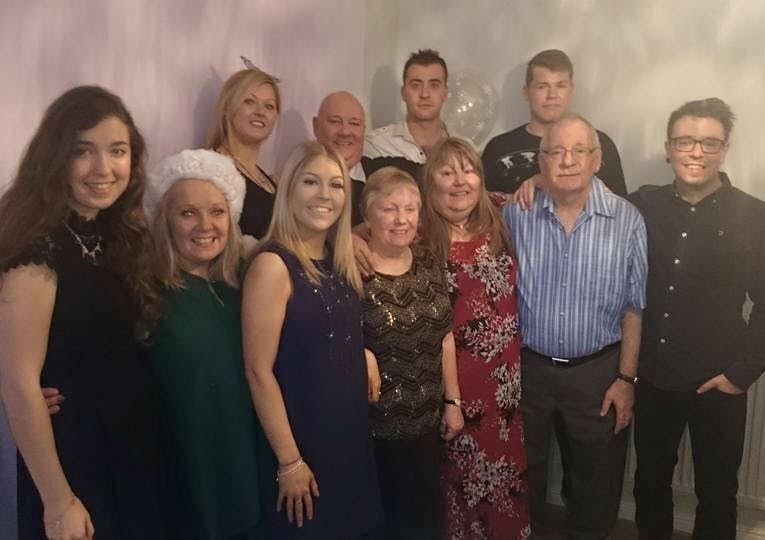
(511, 158)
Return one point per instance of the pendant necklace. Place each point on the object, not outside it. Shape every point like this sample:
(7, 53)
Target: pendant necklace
(88, 254)
(460, 231)
(256, 176)
(462, 227)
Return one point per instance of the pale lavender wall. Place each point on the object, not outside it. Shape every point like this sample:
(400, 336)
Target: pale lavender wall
(167, 60)
(635, 62)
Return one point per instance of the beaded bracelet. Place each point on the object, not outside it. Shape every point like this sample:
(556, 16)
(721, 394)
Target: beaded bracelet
(292, 468)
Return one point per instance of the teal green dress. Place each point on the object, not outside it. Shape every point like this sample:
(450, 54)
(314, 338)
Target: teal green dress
(196, 353)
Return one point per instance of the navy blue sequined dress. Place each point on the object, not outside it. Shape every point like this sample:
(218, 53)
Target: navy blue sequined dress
(322, 373)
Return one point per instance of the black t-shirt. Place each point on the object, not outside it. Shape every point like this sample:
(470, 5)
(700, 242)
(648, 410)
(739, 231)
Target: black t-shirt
(511, 158)
(371, 165)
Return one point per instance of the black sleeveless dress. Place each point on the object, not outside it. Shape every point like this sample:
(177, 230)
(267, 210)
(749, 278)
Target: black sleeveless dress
(258, 206)
(322, 374)
(107, 432)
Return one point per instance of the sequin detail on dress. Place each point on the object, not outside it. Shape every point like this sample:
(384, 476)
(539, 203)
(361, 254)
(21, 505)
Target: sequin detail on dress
(405, 320)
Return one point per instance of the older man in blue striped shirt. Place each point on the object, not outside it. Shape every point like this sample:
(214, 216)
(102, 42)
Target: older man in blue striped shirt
(582, 277)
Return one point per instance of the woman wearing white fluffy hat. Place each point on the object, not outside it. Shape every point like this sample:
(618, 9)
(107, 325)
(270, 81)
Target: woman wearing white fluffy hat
(193, 201)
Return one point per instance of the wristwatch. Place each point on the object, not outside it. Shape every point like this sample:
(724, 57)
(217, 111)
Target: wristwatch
(626, 378)
(457, 402)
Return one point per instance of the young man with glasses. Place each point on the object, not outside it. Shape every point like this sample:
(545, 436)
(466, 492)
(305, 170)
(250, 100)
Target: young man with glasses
(698, 355)
(581, 290)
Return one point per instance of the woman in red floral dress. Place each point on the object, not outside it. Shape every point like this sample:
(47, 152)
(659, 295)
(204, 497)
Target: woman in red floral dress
(483, 473)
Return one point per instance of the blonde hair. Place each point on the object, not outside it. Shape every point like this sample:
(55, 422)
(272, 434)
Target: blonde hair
(225, 267)
(230, 98)
(485, 217)
(284, 228)
(383, 181)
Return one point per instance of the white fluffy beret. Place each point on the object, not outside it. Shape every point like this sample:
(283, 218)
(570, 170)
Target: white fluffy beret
(195, 164)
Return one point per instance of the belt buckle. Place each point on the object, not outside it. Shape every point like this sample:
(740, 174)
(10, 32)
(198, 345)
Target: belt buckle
(559, 361)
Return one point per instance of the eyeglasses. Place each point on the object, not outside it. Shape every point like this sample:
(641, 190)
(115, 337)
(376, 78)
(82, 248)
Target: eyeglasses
(709, 145)
(577, 152)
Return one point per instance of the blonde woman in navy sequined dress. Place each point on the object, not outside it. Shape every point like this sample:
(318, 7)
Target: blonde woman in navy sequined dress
(301, 324)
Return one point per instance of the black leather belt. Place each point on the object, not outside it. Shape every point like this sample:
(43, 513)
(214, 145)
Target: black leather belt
(571, 362)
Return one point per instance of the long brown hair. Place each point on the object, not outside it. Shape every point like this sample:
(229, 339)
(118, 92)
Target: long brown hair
(36, 203)
(485, 217)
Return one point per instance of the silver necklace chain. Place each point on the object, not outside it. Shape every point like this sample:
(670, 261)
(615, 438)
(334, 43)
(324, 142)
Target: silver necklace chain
(87, 253)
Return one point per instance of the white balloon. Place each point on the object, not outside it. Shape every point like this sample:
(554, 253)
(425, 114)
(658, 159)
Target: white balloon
(471, 108)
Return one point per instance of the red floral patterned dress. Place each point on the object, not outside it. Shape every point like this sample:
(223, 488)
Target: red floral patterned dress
(483, 474)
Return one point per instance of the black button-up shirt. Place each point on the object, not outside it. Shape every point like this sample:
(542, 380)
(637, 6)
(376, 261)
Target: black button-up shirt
(703, 259)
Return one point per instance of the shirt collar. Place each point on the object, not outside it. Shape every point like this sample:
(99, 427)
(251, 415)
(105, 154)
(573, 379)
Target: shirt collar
(401, 129)
(357, 173)
(597, 201)
(720, 193)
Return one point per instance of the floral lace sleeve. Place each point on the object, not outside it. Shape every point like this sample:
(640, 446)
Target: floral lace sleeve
(41, 252)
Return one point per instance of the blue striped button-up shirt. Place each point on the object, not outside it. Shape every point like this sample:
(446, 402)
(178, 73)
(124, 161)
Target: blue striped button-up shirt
(573, 290)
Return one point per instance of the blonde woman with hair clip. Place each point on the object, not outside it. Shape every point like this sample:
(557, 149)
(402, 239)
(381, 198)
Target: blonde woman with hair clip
(245, 115)
(304, 360)
(193, 200)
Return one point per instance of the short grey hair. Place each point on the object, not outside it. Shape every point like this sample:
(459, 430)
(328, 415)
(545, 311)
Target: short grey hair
(572, 117)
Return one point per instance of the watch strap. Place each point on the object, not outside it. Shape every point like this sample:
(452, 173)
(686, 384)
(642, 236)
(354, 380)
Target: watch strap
(626, 378)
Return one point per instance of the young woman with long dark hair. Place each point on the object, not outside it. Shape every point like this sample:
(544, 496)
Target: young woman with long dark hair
(74, 282)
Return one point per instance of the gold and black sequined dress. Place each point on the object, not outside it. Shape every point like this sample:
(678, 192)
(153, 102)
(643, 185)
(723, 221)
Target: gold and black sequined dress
(405, 320)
